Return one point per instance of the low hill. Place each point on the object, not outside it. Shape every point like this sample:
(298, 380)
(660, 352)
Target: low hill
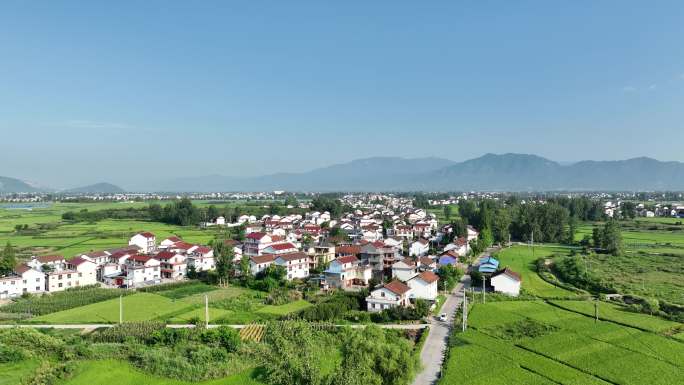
(12, 185)
(97, 188)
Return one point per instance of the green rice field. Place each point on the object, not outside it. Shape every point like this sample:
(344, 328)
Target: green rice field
(557, 346)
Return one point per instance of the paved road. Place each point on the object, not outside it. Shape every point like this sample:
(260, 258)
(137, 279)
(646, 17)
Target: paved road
(435, 346)
(182, 326)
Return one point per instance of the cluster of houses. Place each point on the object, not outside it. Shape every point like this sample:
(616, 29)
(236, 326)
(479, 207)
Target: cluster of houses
(391, 242)
(143, 262)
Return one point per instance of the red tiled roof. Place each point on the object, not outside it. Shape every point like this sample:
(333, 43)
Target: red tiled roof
(292, 256)
(202, 249)
(258, 259)
(78, 260)
(165, 255)
(397, 287)
(277, 238)
(426, 260)
(182, 245)
(256, 235)
(509, 273)
(140, 258)
(49, 258)
(428, 276)
(21, 268)
(174, 239)
(283, 246)
(347, 259)
(146, 234)
(351, 250)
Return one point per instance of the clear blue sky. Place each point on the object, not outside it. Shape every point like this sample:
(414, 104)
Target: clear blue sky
(131, 91)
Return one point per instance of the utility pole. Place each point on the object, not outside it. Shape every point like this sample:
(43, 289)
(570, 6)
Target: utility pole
(464, 316)
(206, 311)
(120, 309)
(483, 288)
(596, 310)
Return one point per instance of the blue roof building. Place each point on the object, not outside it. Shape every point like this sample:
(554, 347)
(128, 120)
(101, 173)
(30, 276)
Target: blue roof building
(488, 265)
(447, 260)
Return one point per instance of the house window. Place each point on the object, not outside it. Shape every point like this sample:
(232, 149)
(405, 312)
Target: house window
(382, 294)
(80, 275)
(37, 288)
(68, 275)
(37, 279)
(59, 285)
(24, 281)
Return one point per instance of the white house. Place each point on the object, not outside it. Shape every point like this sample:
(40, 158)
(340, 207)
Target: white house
(424, 285)
(506, 281)
(472, 233)
(259, 263)
(280, 248)
(23, 280)
(141, 269)
(220, 221)
(419, 248)
(296, 264)
(172, 265)
(168, 242)
(77, 272)
(146, 241)
(347, 272)
(255, 243)
(202, 258)
(390, 295)
(404, 269)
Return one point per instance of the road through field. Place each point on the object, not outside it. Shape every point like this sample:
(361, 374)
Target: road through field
(432, 355)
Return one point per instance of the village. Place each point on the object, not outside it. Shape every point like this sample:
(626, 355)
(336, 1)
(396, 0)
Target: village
(393, 250)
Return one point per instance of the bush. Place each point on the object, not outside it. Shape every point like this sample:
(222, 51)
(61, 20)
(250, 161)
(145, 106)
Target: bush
(223, 336)
(139, 331)
(11, 353)
(67, 299)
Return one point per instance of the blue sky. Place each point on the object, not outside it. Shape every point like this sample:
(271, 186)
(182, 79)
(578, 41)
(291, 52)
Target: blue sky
(133, 91)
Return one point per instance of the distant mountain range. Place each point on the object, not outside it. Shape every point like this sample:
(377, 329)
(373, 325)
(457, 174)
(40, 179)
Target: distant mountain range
(12, 185)
(97, 188)
(490, 172)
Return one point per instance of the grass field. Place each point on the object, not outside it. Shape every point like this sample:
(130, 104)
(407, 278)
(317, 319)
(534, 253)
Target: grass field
(50, 235)
(653, 262)
(13, 373)
(122, 373)
(571, 349)
(178, 305)
(521, 259)
(618, 314)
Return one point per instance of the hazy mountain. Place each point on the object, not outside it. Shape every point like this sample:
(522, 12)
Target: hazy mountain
(97, 188)
(370, 174)
(518, 172)
(490, 172)
(13, 185)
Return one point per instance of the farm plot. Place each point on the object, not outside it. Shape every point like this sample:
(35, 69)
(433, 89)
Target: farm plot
(122, 373)
(136, 307)
(618, 314)
(603, 351)
(522, 259)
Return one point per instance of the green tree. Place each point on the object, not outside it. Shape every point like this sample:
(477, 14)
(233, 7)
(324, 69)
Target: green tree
(612, 238)
(447, 212)
(224, 260)
(245, 271)
(8, 260)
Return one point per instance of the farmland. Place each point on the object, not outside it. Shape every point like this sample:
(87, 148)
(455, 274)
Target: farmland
(122, 373)
(554, 345)
(228, 305)
(49, 234)
(653, 262)
(522, 259)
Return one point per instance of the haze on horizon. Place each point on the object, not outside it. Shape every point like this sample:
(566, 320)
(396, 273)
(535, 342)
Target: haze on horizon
(127, 92)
